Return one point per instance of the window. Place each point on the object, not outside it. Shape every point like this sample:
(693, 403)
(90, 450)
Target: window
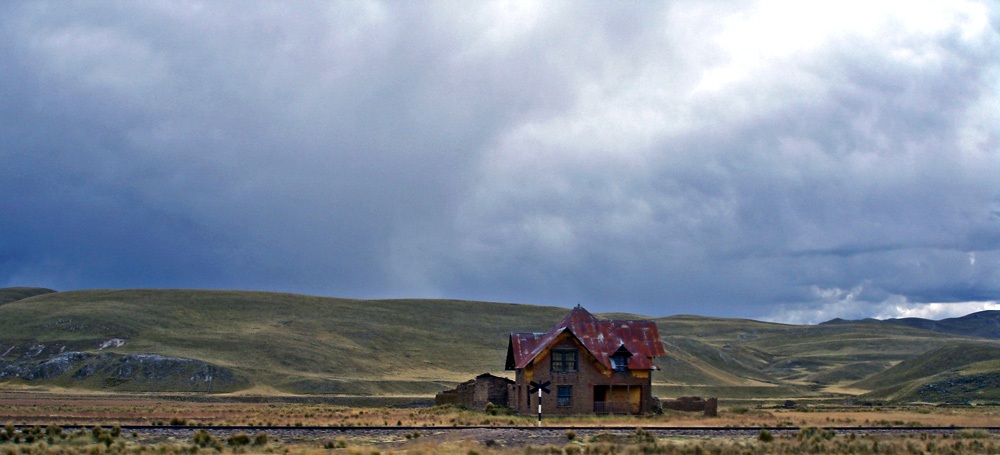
(565, 395)
(563, 360)
(619, 362)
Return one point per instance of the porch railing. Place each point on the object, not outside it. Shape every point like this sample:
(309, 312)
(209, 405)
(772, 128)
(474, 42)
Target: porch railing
(615, 407)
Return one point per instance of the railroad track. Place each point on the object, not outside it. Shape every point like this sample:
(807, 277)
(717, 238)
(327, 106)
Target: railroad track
(530, 429)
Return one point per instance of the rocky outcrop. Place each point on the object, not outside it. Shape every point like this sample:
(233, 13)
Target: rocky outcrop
(959, 389)
(53, 363)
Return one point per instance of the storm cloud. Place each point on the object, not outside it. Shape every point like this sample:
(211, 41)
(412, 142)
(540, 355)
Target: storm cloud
(783, 160)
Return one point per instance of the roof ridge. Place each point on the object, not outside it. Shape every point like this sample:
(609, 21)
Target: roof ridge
(599, 337)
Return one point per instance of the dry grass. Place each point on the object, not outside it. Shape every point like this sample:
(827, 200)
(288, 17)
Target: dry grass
(53, 440)
(44, 409)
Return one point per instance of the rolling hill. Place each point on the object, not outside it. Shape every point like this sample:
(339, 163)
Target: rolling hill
(8, 295)
(773, 360)
(146, 340)
(954, 373)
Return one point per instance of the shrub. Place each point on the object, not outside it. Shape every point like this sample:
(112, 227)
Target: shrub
(177, 421)
(644, 436)
(765, 436)
(814, 433)
(238, 439)
(973, 434)
(260, 439)
(496, 409)
(203, 439)
(53, 430)
(105, 438)
(570, 435)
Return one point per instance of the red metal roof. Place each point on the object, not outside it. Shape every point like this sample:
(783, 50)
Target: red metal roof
(600, 338)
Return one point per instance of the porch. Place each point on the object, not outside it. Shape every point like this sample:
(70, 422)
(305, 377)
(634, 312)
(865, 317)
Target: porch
(626, 399)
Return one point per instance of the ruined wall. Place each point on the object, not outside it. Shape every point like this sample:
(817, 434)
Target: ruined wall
(476, 393)
(693, 404)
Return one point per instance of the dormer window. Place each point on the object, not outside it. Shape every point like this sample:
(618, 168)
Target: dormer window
(619, 360)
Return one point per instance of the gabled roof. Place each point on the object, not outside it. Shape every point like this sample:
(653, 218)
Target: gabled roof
(600, 338)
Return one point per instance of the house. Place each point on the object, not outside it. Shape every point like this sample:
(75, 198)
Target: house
(593, 365)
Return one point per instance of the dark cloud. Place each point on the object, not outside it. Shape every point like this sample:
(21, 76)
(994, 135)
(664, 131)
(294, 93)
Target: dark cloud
(768, 161)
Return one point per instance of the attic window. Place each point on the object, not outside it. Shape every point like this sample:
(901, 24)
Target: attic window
(619, 361)
(564, 360)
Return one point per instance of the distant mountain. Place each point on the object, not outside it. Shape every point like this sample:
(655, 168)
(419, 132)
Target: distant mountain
(8, 295)
(984, 324)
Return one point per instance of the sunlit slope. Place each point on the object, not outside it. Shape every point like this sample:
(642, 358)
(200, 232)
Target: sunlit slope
(692, 362)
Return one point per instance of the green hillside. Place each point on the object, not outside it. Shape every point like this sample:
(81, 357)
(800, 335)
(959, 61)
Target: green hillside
(260, 342)
(294, 343)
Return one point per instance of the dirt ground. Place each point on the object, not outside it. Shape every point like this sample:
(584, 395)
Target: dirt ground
(107, 410)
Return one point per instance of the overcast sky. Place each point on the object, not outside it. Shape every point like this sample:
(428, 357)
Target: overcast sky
(789, 161)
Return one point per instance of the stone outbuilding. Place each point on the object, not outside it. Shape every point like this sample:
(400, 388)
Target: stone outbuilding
(476, 393)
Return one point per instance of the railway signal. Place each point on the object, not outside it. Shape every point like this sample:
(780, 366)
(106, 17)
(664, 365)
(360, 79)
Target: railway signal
(542, 387)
